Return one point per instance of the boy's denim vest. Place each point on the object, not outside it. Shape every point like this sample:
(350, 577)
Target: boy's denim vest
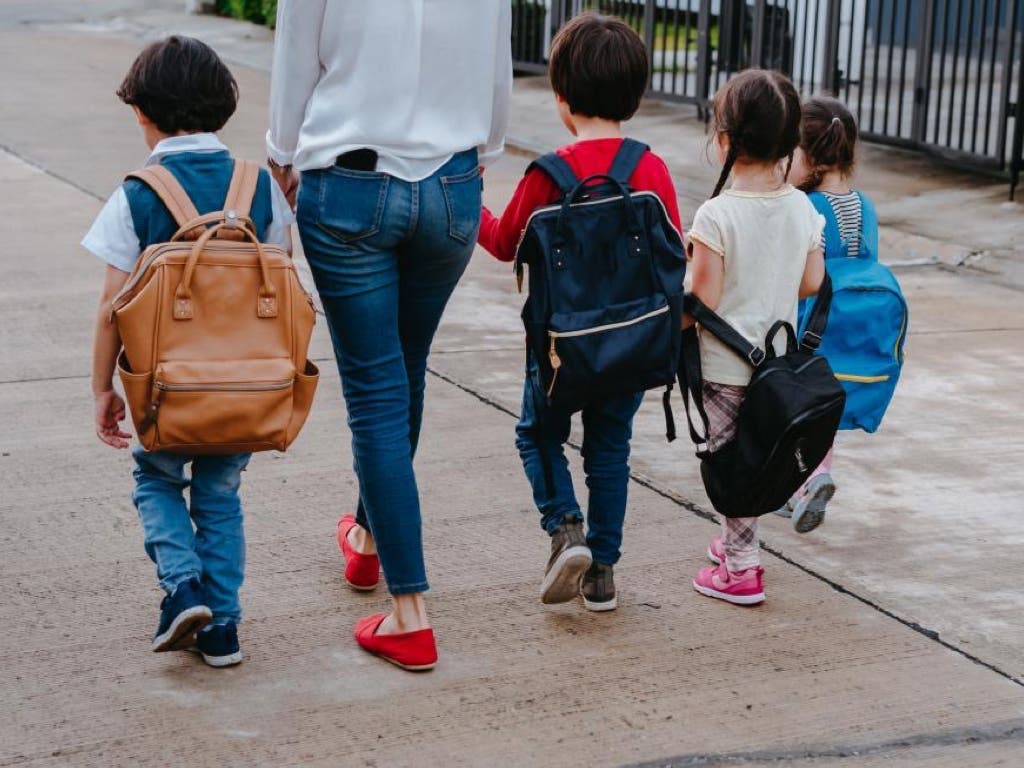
(205, 177)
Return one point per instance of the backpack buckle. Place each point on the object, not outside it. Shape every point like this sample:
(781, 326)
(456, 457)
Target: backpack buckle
(755, 357)
(810, 341)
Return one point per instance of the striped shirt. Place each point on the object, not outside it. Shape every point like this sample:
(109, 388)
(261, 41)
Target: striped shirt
(847, 209)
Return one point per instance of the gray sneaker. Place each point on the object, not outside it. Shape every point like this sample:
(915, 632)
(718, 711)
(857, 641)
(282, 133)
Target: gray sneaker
(570, 557)
(598, 588)
(786, 510)
(809, 512)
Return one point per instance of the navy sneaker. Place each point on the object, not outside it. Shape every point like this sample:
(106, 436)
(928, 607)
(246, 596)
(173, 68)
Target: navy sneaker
(182, 613)
(218, 645)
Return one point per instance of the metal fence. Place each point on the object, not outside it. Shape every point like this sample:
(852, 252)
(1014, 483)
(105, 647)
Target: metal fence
(941, 76)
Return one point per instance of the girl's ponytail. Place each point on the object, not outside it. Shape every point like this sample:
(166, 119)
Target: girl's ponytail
(730, 161)
(828, 138)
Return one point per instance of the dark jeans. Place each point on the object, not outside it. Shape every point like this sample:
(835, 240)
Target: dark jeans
(386, 255)
(607, 428)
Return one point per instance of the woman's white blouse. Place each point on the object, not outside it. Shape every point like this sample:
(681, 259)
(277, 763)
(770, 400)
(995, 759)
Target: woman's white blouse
(416, 80)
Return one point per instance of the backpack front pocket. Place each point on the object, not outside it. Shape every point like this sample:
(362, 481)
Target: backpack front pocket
(867, 397)
(243, 404)
(612, 350)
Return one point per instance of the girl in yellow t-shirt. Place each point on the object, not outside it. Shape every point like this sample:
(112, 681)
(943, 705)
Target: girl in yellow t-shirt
(756, 251)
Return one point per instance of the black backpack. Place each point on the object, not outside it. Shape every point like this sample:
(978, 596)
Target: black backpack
(787, 420)
(605, 286)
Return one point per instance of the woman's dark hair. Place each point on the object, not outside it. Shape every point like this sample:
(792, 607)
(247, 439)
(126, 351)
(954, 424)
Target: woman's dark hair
(828, 138)
(599, 66)
(181, 85)
(759, 111)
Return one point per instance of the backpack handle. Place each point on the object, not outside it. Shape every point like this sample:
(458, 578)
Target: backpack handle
(266, 305)
(580, 188)
(769, 339)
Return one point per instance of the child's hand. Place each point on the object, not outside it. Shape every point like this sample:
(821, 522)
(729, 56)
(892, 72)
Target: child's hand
(109, 415)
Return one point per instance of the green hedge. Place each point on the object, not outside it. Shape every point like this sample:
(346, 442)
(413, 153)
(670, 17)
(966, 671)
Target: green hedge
(258, 11)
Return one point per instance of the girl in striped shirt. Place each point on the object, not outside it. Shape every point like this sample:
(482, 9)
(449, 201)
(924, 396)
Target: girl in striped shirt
(823, 165)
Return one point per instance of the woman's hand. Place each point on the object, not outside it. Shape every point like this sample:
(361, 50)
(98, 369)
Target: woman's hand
(109, 413)
(287, 179)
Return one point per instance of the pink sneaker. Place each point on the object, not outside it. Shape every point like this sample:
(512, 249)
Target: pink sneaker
(743, 588)
(716, 551)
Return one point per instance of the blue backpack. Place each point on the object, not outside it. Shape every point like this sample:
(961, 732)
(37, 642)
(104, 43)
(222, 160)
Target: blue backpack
(605, 301)
(868, 320)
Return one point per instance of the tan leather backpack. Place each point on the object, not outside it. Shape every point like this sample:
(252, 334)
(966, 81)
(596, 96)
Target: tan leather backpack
(215, 328)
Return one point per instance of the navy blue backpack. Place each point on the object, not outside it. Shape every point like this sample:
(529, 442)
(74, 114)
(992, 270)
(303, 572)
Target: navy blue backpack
(605, 301)
(867, 322)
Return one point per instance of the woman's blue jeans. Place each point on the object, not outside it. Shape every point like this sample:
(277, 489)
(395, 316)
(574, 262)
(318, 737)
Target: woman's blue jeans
(386, 255)
(607, 429)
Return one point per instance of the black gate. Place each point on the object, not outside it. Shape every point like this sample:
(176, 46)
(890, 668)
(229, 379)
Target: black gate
(941, 76)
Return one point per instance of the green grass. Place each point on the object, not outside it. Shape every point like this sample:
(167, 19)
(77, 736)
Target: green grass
(257, 11)
(665, 36)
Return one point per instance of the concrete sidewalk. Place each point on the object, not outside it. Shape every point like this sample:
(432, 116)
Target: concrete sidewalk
(826, 673)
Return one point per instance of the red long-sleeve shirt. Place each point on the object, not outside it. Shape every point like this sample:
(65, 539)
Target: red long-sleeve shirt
(500, 236)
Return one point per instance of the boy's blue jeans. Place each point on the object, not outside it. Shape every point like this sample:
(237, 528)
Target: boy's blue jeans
(607, 428)
(386, 255)
(204, 540)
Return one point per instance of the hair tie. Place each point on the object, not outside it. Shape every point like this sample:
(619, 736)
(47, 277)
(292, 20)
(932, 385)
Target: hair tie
(835, 119)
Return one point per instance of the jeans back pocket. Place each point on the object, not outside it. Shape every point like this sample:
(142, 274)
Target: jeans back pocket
(351, 203)
(462, 196)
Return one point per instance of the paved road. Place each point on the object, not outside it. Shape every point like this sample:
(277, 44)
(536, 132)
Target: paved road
(819, 676)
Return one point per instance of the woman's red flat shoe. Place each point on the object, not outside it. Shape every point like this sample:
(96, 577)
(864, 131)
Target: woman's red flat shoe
(415, 651)
(362, 572)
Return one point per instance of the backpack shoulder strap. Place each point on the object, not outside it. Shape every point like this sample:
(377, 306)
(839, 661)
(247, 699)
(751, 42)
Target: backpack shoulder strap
(817, 319)
(721, 330)
(557, 170)
(868, 227)
(626, 160)
(170, 192)
(242, 188)
(833, 240)
(691, 383)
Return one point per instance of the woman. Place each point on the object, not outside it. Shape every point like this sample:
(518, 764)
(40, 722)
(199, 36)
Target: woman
(381, 116)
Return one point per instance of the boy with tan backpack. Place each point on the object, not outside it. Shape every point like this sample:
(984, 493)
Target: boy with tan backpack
(203, 315)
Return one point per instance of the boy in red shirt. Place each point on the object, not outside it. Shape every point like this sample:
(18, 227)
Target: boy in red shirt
(599, 72)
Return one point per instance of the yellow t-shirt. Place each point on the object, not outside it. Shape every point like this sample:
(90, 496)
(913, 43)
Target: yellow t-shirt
(764, 240)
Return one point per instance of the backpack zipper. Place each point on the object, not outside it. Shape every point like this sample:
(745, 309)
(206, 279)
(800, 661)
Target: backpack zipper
(857, 379)
(153, 408)
(897, 350)
(585, 203)
(556, 361)
(270, 386)
(142, 268)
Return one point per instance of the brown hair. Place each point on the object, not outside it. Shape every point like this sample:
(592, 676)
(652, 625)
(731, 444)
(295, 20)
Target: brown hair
(828, 138)
(181, 85)
(599, 66)
(759, 111)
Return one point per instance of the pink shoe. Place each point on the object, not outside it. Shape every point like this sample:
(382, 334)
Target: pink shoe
(743, 588)
(716, 551)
